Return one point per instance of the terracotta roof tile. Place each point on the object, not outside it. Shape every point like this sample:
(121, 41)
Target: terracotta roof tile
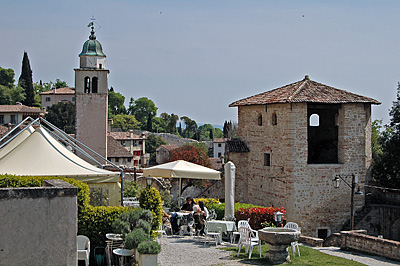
(18, 108)
(124, 135)
(236, 145)
(60, 91)
(220, 140)
(303, 91)
(116, 150)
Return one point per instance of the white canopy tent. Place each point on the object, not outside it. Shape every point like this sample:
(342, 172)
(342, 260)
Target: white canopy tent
(37, 153)
(182, 169)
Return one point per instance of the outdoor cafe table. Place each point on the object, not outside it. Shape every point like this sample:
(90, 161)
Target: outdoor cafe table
(122, 254)
(227, 227)
(183, 220)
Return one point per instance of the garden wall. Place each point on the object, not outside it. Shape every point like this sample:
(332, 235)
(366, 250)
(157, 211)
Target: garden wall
(39, 224)
(370, 244)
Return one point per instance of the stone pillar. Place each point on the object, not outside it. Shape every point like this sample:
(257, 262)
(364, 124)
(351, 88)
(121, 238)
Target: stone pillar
(229, 190)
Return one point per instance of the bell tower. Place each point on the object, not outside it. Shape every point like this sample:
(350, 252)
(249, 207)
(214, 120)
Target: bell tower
(91, 94)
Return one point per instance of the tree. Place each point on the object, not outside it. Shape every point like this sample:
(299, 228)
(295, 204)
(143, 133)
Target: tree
(25, 81)
(230, 129)
(170, 122)
(206, 132)
(125, 122)
(386, 167)
(144, 110)
(190, 127)
(62, 115)
(116, 103)
(159, 125)
(7, 77)
(218, 133)
(152, 143)
(191, 154)
(60, 84)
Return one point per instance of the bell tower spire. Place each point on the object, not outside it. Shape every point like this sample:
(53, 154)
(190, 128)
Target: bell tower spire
(91, 95)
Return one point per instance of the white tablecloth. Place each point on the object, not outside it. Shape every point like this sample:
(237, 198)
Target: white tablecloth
(226, 226)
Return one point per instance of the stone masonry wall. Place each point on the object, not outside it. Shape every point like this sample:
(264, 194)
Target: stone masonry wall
(305, 190)
(371, 245)
(91, 121)
(38, 225)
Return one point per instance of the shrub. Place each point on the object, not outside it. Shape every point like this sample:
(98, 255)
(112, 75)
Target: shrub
(150, 199)
(258, 215)
(207, 201)
(149, 247)
(131, 189)
(134, 238)
(144, 225)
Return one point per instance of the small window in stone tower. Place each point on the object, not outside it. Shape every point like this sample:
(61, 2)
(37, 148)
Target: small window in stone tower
(94, 84)
(314, 120)
(274, 121)
(87, 85)
(100, 66)
(260, 120)
(267, 159)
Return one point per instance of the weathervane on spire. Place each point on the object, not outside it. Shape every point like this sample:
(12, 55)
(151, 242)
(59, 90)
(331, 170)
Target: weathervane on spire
(91, 24)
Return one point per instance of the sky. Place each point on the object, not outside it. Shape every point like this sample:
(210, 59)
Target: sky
(194, 58)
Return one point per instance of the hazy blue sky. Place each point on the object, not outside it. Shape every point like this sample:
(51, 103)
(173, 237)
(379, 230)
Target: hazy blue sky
(194, 58)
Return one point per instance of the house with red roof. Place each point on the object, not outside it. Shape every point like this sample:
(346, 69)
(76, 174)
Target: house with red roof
(55, 96)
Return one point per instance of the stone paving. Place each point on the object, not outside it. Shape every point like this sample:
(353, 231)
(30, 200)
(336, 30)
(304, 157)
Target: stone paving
(185, 251)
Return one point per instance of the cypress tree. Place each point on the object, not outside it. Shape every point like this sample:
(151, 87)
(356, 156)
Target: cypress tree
(25, 81)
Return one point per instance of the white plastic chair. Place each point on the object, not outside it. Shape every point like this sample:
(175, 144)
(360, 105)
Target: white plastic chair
(294, 245)
(244, 223)
(248, 241)
(83, 244)
(217, 235)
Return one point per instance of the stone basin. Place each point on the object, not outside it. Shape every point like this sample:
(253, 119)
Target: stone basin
(279, 239)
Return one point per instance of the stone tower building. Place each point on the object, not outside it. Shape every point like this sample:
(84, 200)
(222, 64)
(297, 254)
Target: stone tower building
(91, 92)
(293, 141)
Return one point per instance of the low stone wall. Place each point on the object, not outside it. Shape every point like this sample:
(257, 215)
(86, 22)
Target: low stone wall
(312, 241)
(39, 225)
(370, 244)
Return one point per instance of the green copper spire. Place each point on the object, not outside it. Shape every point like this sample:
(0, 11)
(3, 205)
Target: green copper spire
(92, 46)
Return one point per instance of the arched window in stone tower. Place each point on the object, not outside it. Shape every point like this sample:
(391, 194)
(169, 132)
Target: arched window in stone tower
(94, 84)
(314, 120)
(86, 85)
(260, 120)
(274, 120)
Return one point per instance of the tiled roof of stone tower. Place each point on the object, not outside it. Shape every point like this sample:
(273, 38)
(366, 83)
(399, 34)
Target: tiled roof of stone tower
(304, 91)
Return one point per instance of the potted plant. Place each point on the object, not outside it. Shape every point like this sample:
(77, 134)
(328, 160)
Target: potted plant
(148, 251)
(134, 238)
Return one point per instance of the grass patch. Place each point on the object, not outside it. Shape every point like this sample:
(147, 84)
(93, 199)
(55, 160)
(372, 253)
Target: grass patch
(308, 256)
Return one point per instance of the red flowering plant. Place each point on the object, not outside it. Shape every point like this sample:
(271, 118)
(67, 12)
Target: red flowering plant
(258, 215)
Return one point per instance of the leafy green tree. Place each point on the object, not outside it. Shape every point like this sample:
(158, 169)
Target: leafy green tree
(218, 133)
(144, 110)
(206, 132)
(191, 127)
(62, 115)
(386, 167)
(116, 103)
(376, 138)
(25, 81)
(60, 84)
(159, 125)
(125, 122)
(152, 143)
(7, 77)
(170, 122)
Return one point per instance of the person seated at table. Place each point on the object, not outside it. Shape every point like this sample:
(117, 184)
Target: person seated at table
(204, 210)
(199, 219)
(187, 207)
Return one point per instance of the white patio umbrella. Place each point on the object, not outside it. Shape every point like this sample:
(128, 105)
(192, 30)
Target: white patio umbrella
(182, 169)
